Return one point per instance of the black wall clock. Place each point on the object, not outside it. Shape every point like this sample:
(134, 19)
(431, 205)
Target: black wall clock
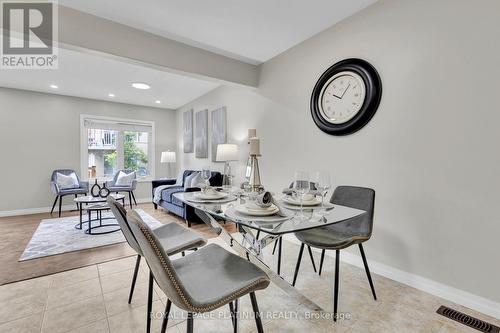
(346, 97)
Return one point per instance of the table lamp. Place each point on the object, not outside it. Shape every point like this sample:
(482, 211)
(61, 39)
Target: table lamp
(227, 152)
(168, 157)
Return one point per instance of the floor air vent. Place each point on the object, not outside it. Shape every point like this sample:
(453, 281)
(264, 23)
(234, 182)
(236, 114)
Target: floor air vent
(479, 325)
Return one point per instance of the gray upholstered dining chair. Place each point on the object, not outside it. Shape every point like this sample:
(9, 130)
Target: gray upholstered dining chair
(129, 188)
(202, 281)
(173, 237)
(83, 187)
(343, 234)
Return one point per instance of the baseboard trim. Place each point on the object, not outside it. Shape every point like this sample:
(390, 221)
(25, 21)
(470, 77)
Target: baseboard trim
(29, 211)
(467, 299)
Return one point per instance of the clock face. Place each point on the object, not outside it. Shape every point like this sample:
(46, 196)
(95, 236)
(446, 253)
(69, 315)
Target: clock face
(342, 97)
(346, 96)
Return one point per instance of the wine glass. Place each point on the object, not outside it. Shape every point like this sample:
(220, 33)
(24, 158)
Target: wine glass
(323, 183)
(205, 175)
(301, 186)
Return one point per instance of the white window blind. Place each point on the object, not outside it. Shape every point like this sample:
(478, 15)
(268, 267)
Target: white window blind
(117, 125)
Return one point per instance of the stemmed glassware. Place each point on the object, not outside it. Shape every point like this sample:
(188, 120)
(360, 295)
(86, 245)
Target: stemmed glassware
(301, 186)
(323, 183)
(205, 175)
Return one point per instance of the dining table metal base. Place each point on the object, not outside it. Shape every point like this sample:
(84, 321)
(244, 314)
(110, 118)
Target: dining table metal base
(253, 253)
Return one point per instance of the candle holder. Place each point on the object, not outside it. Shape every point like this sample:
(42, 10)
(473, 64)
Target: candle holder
(254, 181)
(252, 172)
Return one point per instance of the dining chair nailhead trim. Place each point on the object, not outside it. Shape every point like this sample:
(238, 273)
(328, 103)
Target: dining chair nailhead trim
(178, 288)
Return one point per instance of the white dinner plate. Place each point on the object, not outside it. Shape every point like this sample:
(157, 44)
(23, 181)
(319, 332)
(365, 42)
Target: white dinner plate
(194, 199)
(232, 214)
(296, 202)
(211, 196)
(243, 209)
(326, 206)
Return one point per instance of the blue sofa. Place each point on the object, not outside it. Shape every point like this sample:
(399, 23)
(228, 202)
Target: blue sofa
(172, 204)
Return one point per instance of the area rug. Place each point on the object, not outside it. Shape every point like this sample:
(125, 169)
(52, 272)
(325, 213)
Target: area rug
(56, 236)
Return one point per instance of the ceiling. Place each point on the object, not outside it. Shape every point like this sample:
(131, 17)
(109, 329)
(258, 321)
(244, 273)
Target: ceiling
(251, 31)
(91, 76)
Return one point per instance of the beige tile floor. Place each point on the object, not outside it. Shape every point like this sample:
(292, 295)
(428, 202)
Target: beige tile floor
(94, 299)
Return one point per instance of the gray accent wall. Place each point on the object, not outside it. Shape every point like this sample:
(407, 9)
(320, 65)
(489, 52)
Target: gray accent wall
(41, 132)
(431, 151)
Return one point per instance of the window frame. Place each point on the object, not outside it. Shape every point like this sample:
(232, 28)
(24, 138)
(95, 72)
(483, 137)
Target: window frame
(84, 153)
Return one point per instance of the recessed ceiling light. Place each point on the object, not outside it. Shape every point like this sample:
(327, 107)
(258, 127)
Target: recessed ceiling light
(141, 85)
(111, 95)
(158, 102)
(53, 86)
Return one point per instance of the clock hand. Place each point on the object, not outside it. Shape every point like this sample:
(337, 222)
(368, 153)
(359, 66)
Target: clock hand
(345, 90)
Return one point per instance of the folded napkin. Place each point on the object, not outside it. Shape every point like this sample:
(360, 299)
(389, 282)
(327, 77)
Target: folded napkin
(266, 199)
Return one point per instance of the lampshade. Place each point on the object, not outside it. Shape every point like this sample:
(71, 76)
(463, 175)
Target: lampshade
(227, 152)
(168, 157)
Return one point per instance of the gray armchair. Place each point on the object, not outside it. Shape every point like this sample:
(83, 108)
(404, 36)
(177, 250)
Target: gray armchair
(60, 193)
(111, 185)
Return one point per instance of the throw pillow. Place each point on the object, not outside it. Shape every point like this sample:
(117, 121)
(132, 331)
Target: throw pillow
(65, 182)
(125, 179)
(188, 180)
(197, 181)
(178, 181)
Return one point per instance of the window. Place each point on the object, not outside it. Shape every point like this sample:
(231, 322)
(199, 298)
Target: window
(109, 145)
(102, 152)
(135, 147)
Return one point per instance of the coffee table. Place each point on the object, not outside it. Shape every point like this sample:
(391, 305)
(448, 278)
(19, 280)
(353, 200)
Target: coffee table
(98, 209)
(90, 200)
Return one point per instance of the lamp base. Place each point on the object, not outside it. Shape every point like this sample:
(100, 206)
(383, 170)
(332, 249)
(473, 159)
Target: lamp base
(169, 171)
(226, 177)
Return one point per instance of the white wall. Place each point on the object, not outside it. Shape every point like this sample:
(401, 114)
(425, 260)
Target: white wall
(41, 132)
(431, 150)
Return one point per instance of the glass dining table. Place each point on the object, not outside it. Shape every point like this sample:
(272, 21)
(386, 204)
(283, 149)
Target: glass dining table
(247, 241)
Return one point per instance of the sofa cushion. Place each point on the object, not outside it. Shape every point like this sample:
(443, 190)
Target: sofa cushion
(176, 201)
(166, 195)
(80, 190)
(118, 188)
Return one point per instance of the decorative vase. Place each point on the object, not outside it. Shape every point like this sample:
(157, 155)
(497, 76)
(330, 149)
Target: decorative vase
(95, 189)
(104, 192)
